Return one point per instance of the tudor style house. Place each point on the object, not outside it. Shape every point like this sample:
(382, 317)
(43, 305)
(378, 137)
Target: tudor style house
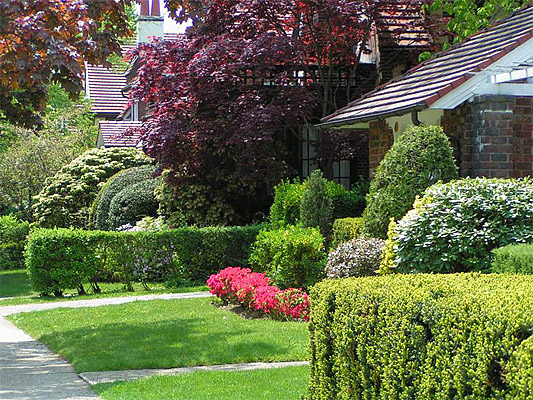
(391, 54)
(480, 91)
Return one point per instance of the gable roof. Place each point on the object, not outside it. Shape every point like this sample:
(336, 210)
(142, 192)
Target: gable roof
(423, 85)
(111, 133)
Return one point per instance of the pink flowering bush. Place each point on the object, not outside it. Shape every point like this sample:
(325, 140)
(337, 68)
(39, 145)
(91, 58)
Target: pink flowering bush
(252, 290)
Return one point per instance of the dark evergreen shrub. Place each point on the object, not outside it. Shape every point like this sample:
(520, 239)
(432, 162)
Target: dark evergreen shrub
(316, 208)
(419, 158)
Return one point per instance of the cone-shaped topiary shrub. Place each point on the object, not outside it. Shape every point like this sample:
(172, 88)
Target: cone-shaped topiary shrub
(316, 208)
(419, 158)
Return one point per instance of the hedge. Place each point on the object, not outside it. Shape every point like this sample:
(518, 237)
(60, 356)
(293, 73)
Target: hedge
(453, 336)
(59, 259)
(12, 240)
(514, 259)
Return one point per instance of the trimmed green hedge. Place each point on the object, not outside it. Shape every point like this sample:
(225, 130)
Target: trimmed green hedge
(422, 337)
(12, 240)
(346, 229)
(59, 259)
(514, 259)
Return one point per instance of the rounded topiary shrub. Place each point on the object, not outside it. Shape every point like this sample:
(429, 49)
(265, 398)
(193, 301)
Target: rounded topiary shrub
(132, 206)
(419, 158)
(358, 257)
(455, 226)
(67, 196)
(133, 203)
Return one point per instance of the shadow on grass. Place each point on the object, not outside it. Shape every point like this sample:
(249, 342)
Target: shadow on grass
(15, 283)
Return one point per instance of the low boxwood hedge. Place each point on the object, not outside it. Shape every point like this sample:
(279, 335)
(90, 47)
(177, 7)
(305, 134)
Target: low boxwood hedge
(514, 259)
(346, 229)
(59, 259)
(457, 336)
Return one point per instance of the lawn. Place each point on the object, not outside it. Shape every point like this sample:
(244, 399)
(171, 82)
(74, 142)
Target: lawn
(286, 383)
(162, 334)
(16, 283)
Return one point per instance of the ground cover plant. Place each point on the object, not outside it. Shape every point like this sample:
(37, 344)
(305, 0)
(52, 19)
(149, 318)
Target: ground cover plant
(431, 337)
(419, 158)
(284, 383)
(455, 226)
(162, 334)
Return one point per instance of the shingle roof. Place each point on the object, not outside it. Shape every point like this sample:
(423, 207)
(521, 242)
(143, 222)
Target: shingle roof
(426, 83)
(112, 133)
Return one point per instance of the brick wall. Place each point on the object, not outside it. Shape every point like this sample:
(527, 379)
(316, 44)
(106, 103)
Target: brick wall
(380, 140)
(493, 136)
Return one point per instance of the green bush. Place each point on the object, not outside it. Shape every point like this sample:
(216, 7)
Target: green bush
(100, 210)
(455, 226)
(68, 195)
(288, 199)
(12, 240)
(419, 158)
(357, 257)
(133, 203)
(346, 229)
(514, 259)
(316, 207)
(466, 336)
(291, 257)
(59, 259)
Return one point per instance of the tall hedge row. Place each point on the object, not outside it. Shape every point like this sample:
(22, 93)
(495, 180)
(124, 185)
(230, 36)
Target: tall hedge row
(461, 336)
(59, 259)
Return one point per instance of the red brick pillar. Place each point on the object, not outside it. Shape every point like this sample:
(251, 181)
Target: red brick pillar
(523, 137)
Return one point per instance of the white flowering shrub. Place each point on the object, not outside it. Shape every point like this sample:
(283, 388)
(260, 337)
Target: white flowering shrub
(358, 257)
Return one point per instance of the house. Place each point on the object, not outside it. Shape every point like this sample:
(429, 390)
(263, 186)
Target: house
(393, 50)
(480, 91)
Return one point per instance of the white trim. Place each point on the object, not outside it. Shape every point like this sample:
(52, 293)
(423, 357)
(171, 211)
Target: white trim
(514, 75)
(508, 89)
(465, 91)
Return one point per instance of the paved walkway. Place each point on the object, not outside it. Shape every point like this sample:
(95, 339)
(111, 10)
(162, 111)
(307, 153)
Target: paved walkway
(94, 378)
(29, 370)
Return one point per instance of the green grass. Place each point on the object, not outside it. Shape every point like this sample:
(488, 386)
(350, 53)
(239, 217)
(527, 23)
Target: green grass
(284, 384)
(16, 283)
(162, 334)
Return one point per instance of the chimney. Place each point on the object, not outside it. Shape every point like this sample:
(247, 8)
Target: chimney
(149, 24)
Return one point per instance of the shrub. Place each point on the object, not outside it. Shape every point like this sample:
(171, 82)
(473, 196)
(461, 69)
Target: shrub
(60, 259)
(12, 240)
(316, 207)
(288, 198)
(252, 290)
(387, 256)
(67, 196)
(133, 203)
(455, 226)
(291, 257)
(422, 337)
(514, 259)
(419, 158)
(346, 229)
(358, 257)
(101, 216)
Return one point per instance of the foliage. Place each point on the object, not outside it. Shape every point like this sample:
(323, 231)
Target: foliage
(252, 290)
(419, 158)
(422, 337)
(346, 229)
(455, 226)
(67, 196)
(59, 259)
(316, 207)
(285, 209)
(47, 41)
(249, 73)
(291, 257)
(387, 260)
(125, 198)
(358, 257)
(516, 258)
(139, 335)
(12, 240)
